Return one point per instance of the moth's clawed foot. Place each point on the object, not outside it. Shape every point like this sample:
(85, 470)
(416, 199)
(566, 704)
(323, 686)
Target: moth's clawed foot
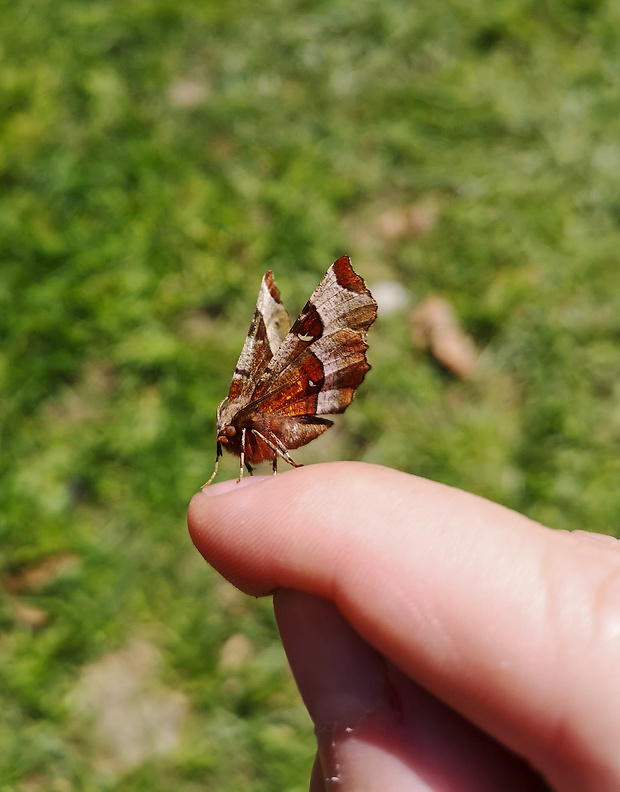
(206, 484)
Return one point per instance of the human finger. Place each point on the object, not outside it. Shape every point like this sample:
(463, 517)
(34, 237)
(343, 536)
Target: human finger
(375, 727)
(483, 607)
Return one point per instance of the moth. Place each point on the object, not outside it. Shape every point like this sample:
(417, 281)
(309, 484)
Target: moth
(287, 378)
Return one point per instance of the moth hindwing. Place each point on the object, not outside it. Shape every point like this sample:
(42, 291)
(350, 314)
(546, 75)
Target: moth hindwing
(287, 378)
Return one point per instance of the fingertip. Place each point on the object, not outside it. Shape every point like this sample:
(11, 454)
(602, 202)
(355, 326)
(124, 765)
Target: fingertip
(231, 485)
(201, 503)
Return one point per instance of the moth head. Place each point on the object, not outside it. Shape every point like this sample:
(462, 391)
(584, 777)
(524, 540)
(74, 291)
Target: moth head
(226, 434)
(226, 430)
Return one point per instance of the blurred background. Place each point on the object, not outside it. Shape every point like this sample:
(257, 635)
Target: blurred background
(156, 157)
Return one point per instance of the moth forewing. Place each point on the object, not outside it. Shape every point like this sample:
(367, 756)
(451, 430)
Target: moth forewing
(286, 379)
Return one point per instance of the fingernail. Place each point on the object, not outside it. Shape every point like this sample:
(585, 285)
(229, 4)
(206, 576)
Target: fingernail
(222, 487)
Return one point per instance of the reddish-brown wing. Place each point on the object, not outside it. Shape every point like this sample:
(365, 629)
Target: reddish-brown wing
(322, 360)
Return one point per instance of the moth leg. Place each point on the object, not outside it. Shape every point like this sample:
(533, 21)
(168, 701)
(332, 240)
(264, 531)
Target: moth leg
(274, 464)
(283, 451)
(249, 468)
(242, 456)
(218, 454)
(278, 447)
(288, 458)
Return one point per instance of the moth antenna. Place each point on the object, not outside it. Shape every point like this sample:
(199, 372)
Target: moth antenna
(218, 454)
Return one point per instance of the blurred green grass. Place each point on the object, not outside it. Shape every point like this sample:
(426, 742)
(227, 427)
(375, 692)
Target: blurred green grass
(155, 159)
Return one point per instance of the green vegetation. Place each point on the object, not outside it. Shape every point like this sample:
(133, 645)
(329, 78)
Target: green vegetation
(156, 158)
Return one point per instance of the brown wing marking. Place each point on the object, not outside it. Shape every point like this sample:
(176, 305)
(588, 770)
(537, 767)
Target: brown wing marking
(332, 330)
(270, 325)
(297, 390)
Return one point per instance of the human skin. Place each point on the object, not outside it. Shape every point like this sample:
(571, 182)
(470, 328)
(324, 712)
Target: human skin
(439, 641)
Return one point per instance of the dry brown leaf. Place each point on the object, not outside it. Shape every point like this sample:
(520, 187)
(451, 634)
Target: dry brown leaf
(41, 574)
(408, 221)
(29, 615)
(434, 326)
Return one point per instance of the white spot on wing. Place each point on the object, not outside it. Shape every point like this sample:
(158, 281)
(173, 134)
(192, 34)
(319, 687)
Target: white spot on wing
(328, 401)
